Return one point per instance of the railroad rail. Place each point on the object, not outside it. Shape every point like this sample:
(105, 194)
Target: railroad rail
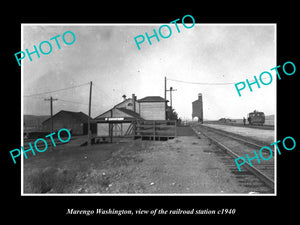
(263, 127)
(236, 147)
(249, 141)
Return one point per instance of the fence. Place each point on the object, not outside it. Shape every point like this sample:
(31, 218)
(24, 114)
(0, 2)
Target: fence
(155, 129)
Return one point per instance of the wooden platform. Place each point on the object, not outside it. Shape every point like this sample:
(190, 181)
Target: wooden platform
(155, 129)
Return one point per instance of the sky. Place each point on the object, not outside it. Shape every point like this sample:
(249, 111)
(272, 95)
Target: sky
(108, 56)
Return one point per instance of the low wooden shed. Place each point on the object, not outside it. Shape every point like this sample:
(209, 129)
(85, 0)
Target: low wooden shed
(74, 121)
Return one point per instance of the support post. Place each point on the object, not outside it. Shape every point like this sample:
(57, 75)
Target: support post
(154, 129)
(165, 97)
(111, 127)
(51, 114)
(175, 127)
(89, 125)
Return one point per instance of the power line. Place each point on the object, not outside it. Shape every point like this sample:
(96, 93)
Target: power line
(65, 100)
(201, 83)
(212, 83)
(62, 89)
(98, 89)
(80, 103)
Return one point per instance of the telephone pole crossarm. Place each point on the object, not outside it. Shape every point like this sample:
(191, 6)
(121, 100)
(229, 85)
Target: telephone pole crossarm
(171, 90)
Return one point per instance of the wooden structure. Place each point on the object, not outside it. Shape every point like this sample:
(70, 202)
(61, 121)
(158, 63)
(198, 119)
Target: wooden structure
(114, 128)
(152, 108)
(117, 121)
(144, 118)
(155, 129)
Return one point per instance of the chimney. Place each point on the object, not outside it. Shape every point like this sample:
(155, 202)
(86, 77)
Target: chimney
(133, 101)
(200, 96)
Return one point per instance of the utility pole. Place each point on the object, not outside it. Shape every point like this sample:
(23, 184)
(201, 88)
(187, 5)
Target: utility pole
(171, 90)
(51, 113)
(165, 93)
(166, 88)
(89, 125)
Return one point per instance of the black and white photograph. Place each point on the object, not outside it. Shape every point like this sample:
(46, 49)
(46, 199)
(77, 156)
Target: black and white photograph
(127, 111)
(179, 108)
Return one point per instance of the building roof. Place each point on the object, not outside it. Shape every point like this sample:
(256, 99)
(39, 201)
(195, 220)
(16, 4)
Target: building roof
(80, 116)
(115, 107)
(152, 99)
(130, 112)
(126, 100)
(198, 100)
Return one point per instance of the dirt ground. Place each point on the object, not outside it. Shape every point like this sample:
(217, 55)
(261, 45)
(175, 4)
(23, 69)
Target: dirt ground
(184, 165)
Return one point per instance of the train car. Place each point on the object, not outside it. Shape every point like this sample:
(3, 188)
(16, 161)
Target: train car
(256, 118)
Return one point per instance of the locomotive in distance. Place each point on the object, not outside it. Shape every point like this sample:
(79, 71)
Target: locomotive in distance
(256, 118)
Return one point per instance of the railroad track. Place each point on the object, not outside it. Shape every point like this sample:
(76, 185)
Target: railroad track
(263, 127)
(249, 141)
(239, 147)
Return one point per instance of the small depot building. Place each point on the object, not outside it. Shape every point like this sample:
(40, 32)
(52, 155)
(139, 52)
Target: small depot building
(116, 122)
(119, 120)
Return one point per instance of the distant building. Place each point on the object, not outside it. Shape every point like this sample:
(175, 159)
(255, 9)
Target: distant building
(33, 123)
(198, 108)
(76, 122)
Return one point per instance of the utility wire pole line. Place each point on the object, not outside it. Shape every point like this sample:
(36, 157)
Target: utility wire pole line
(89, 125)
(51, 113)
(165, 88)
(171, 90)
(165, 93)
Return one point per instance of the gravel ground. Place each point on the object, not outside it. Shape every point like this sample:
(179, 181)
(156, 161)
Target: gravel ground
(185, 165)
